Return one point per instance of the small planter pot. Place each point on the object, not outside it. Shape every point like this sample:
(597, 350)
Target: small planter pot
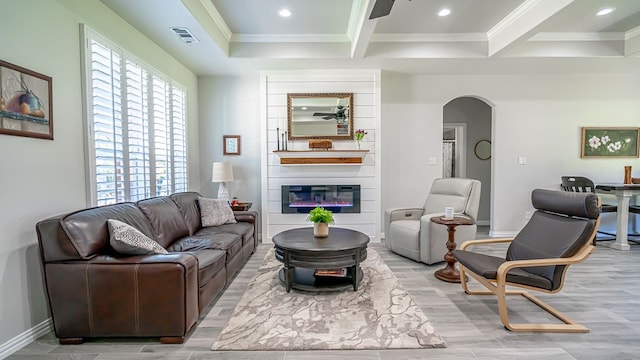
(320, 230)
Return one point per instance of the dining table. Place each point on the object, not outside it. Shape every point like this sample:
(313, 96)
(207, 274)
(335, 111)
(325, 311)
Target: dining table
(623, 194)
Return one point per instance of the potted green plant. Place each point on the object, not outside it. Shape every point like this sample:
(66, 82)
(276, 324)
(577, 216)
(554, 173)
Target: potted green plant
(321, 219)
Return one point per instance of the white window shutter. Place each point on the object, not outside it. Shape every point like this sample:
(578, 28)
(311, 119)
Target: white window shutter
(179, 134)
(107, 124)
(138, 127)
(138, 132)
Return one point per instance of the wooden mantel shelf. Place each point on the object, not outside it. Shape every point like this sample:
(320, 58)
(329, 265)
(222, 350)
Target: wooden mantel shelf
(309, 157)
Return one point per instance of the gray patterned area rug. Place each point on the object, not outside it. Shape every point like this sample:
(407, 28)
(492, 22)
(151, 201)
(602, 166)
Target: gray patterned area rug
(380, 315)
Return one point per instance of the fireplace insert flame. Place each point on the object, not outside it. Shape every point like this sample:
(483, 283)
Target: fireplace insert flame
(337, 198)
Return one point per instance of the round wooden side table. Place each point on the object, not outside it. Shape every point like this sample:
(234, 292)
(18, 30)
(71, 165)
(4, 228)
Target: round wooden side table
(449, 273)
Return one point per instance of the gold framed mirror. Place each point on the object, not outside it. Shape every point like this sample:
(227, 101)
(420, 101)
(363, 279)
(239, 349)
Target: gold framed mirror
(320, 116)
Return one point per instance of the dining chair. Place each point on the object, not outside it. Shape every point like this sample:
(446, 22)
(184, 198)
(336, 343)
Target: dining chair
(558, 234)
(635, 207)
(583, 184)
(635, 210)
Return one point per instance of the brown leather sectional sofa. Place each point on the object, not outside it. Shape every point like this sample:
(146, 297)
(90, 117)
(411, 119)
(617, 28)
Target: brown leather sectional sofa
(95, 292)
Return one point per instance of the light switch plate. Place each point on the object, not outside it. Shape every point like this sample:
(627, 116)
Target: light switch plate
(522, 160)
(432, 161)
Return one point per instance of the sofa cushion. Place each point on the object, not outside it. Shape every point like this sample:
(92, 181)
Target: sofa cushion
(215, 212)
(230, 243)
(210, 263)
(167, 222)
(128, 240)
(188, 204)
(87, 229)
(243, 229)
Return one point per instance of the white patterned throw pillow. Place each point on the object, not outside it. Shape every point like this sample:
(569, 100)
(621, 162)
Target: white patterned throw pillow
(215, 212)
(128, 240)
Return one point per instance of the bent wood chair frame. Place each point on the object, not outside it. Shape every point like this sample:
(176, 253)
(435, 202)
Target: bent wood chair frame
(499, 285)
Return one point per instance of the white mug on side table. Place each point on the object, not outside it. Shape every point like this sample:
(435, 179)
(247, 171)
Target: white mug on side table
(448, 213)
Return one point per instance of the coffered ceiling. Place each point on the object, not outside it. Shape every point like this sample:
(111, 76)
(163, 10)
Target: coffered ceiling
(478, 36)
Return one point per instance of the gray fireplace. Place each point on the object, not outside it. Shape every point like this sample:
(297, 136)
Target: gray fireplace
(337, 198)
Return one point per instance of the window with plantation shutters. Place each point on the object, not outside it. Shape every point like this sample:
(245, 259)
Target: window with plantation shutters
(179, 140)
(137, 127)
(138, 132)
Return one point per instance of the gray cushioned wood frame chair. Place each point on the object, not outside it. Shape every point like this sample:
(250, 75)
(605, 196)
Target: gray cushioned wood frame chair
(560, 233)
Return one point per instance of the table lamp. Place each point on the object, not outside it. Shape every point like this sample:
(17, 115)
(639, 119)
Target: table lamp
(222, 173)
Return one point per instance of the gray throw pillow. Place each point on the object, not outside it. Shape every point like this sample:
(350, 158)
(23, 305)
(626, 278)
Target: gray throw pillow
(128, 240)
(215, 212)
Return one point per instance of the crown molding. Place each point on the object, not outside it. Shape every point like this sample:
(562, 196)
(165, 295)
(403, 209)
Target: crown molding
(454, 37)
(576, 36)
(284, 38)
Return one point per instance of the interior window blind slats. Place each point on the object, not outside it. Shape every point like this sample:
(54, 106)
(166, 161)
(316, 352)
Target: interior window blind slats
(138, 124)
(179, 137)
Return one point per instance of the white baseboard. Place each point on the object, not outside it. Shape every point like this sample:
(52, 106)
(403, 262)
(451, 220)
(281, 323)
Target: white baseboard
(496, 234)
(503, 234)
(25, 338)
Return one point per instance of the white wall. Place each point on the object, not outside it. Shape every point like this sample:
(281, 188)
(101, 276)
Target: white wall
(539, 117)
(365, 85)
(230, 106)
(42, 178)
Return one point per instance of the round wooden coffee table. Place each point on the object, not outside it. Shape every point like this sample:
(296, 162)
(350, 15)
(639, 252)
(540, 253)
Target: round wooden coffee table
(302, 254)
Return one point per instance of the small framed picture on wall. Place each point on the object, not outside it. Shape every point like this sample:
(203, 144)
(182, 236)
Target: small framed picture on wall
(231, 144)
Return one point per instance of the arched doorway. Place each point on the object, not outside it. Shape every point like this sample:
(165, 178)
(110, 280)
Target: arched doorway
(467, 123)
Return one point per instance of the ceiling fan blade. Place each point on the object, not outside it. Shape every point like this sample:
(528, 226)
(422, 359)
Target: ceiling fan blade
(381, 8)
(323, 114)
(328, 117)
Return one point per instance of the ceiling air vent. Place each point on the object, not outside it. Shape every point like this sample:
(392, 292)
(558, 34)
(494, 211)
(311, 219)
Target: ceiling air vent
(186, 35)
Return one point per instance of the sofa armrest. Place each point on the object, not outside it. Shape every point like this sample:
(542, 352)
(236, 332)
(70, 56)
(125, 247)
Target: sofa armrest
(393, 214)
(246, 216)
(149, 295)
(54, 243)
(250, 217)
(403, 214)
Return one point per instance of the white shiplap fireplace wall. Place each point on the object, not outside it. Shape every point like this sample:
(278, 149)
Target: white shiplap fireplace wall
(365, 85)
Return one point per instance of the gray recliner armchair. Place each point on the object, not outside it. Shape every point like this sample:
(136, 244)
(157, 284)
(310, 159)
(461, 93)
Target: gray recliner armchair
(409, 231)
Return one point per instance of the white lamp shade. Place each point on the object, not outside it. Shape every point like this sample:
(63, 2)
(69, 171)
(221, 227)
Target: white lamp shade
(222, 172)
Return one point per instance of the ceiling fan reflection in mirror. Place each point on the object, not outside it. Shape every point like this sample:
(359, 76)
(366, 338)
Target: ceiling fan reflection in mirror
(338, 115)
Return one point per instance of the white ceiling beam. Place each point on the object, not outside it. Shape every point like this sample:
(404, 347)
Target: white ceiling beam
(515, 27)
(632, 42)
(360, 28)
(210, 19)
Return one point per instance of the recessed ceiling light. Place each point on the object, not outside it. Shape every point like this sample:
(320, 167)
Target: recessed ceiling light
(605, 11)
(444, 12)
(284, 12)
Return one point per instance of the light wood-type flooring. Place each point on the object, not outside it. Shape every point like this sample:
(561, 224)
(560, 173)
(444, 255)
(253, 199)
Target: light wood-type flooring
(602, 293)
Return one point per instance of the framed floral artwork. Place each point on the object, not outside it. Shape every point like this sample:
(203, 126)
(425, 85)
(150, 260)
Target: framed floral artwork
(609, 142)
(25, 102)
